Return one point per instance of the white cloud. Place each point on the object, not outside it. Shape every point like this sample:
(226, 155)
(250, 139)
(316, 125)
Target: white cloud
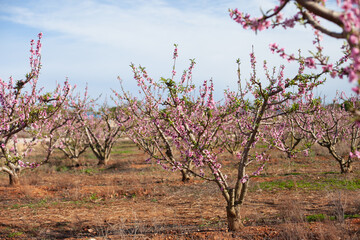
(94, 41)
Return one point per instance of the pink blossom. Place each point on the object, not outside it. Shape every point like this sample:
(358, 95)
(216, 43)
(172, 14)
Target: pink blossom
(353, 76)
(356, 89)
(310, 62)
(244, 179)
(354, 39)
(327, 68)
(355, 154)
(306, 152)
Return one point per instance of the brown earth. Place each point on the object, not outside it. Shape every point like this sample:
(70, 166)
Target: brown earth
(304, 198)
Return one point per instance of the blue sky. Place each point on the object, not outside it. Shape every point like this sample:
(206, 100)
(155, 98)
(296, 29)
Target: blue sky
(94, 41)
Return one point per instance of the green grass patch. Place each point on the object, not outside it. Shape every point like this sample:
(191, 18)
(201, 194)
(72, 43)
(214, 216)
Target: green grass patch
(94, 197)
(316, 217)
(322, 217)
(320, 184)
(90, 171)
(15, 234)
(293, 174)
(126, 151)
(124, 148)
(44, 203)
(351, 216)
(15, 206)
(41, 203)
(62, 169)
(90, 156)
(326, 173)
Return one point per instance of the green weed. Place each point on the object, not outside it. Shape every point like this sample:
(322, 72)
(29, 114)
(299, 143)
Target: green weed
(41, 203)
(127, 151)
(89, 171)
(352, 216)
(316, 217)
(94, 197)
(15, 234)
(62, 168)
(293, 174)
(15, 206)
(321, 217)
(310, 185)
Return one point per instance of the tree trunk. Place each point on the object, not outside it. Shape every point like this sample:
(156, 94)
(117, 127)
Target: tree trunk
(14, 179)
(75, 161)
(185, 175)
(103, 161)
(345, 166)
(234, 219)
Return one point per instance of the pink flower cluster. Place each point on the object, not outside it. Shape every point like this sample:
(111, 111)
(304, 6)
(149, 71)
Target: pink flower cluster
(356, 154)
(25, 109)
(350, 23)
(28, 165)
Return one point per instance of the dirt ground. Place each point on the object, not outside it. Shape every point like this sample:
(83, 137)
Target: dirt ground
(304, 198)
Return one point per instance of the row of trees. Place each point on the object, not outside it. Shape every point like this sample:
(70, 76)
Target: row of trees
(59, 119)
(185, 130)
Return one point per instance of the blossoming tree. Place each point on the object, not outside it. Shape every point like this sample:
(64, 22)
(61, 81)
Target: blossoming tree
(331, 124)
(194, 123)
(66, 134)
(284, 134)
(100, 126)
(148, 128)
(25, 108)
(345, 17)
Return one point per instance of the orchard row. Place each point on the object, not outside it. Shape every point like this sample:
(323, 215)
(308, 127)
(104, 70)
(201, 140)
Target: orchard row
(183, 128)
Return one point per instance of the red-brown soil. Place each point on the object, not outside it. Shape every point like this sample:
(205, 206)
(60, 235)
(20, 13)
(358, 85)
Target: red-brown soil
(132, 199)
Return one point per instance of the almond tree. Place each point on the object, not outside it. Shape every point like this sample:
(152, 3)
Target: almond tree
(24, 108)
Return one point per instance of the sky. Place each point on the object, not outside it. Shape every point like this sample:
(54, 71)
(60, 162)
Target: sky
(92, 42)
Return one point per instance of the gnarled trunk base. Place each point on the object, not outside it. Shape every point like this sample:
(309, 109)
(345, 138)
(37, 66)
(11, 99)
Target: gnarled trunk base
(185, 175)
(14, 179)
(345, 167)
(233, 217)
(103, 161)
(75, 162)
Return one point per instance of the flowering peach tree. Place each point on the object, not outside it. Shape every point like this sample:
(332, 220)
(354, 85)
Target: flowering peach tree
(196, 124)
(149, 130)
(66, 134)
(284, 134)
(99, 126)
(332, 124)
(318, 14)
(24, 108)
